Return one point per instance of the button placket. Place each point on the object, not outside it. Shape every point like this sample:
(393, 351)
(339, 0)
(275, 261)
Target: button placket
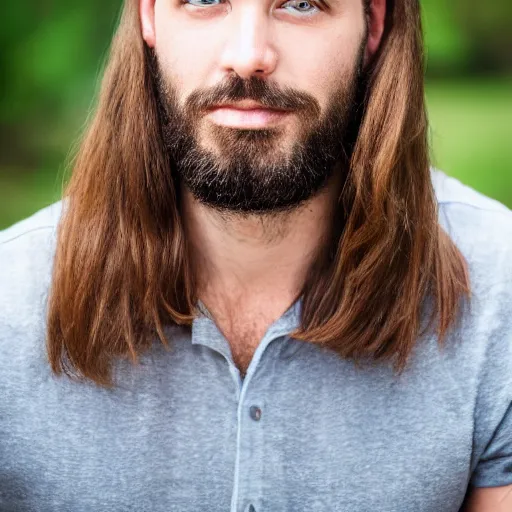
(250, 443)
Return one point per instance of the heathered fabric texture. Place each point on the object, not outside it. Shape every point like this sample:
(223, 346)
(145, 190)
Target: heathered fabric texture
(304, 431)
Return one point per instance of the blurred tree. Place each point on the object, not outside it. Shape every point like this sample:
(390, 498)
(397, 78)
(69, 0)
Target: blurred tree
(487, 27)
(50, 57)
(448, 49)
(468, 38)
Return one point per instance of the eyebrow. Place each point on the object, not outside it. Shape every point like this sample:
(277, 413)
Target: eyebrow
(324, 4)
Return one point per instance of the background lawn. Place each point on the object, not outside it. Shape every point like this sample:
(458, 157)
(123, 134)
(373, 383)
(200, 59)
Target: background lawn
(471, 134)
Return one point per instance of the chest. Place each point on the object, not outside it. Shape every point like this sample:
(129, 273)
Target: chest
(243, 338)
(242, 355)
(308, 433)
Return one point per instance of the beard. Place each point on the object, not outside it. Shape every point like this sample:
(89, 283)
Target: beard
(256, 171)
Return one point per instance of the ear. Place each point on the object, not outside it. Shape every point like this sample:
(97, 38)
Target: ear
(147, 21)
(376, 21)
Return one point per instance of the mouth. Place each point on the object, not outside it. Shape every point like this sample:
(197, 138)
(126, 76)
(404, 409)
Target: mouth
(248, 105)
(249, 115)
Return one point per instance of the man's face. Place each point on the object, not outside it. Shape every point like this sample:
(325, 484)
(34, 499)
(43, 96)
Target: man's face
(296, 55)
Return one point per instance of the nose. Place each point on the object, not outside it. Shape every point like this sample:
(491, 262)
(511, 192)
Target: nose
(248, 49)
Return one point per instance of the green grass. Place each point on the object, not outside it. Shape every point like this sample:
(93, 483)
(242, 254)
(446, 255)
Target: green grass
(471, 137)
(471, 134)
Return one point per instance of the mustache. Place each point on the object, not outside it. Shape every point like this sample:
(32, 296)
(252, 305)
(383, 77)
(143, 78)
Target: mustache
(265, 92)
(233, 89)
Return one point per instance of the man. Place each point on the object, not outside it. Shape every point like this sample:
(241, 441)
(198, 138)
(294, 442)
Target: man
(320, 321)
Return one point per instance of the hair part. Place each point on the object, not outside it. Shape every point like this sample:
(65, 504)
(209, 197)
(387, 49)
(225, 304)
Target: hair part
(122, 272)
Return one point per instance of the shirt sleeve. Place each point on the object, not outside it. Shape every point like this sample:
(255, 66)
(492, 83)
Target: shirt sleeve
(494, 468)
(492, 444)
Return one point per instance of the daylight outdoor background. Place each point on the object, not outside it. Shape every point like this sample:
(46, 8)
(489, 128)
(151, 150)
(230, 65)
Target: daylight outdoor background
(51, 53)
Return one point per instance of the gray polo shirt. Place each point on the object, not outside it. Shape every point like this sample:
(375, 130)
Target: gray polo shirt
(304, 431)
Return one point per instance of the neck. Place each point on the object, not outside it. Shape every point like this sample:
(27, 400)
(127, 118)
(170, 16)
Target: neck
(255, 260)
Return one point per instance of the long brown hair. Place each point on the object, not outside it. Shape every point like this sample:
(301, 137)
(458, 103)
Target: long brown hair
(121, 271)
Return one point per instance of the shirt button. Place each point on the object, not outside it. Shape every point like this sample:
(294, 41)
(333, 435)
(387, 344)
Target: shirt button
(255, 413)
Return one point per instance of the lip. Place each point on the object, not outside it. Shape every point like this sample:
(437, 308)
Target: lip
(248, 105)
(246, 116)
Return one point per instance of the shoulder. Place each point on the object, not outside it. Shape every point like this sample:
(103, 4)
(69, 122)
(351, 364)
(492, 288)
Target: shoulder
(464, 211)
(43, 220)
(481, 228)
(26, 257)
(26, 244)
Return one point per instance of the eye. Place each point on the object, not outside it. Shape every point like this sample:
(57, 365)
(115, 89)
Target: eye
(303, 3)
(199, 4)
(207, 2)
(299, 3)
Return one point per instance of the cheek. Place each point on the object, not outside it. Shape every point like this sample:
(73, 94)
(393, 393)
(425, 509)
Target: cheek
(183, 59)
(322, 68)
